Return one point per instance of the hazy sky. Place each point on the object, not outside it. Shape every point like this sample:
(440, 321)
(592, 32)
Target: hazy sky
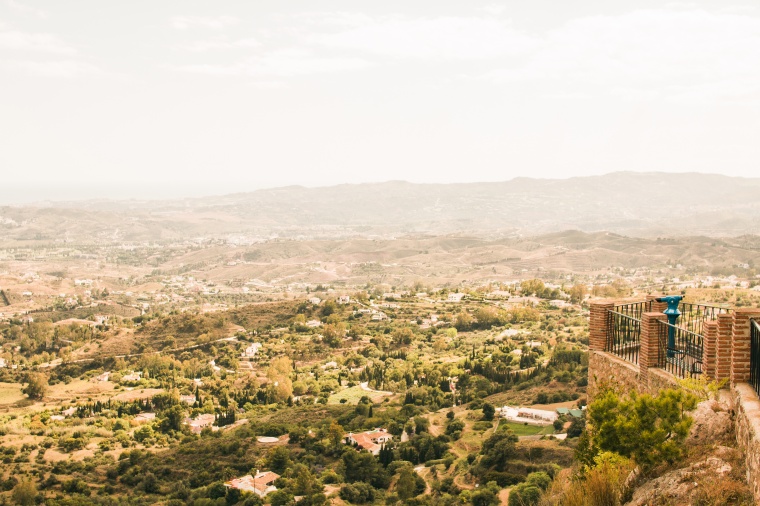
(124, 98)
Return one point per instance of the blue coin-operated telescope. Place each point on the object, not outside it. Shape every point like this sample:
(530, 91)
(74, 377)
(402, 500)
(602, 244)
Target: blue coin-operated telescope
(672, 313)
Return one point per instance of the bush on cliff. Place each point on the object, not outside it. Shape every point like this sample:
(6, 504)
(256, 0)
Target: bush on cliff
(647, 429)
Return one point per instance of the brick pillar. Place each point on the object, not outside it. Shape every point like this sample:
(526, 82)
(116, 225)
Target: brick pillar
(723, 347)
(599, 324)
(649, 353)
(708, 351)
(657, 307)
(740, 345)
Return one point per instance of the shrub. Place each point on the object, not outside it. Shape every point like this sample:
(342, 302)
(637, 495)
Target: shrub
(648, 429)
(357, 493)
(488, 411)
(76, 486)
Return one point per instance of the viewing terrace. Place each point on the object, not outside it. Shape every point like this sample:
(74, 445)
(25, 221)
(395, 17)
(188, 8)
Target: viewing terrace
(649, 345)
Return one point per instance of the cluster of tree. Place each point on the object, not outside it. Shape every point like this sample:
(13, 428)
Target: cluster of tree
(537, 288)
(486, 317)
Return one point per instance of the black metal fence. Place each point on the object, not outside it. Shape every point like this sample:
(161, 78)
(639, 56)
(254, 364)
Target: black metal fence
(680, 350)
(624, 336)
(681, 345)
(694, 316)
(634, 309)
(754, 356)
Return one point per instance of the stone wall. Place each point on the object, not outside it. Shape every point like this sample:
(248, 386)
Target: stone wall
(604, 368)
(660, 380)
(607, 369)
(747, 409)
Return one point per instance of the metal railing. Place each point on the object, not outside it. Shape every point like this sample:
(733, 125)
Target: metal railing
(694, 316)
(624, 336)
(680, 351)
(634, 309)
(754, 355)
(681, 345)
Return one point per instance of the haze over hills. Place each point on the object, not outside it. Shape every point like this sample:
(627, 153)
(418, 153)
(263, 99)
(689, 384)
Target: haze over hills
(638, 204)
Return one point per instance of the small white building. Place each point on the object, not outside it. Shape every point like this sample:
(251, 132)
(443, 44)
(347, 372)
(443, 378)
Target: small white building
(200, 422)
(259, 484)
(528, 415)
(344, 299)
(315, 300)
(455, 297)
(251, 350)
(133, 376)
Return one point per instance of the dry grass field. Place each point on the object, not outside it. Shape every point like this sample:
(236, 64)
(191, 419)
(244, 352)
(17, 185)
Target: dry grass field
(10, 393)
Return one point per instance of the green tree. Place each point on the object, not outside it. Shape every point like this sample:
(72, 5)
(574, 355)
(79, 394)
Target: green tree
(488, 411)
(363, 466)
(484, 497)
(329, 307)
(648, 429)
(524, 494)
(463, 321)
(421, 424)
(403, 336)
(577, 293)
(143, 433)
(576, 427)
(532, 287)
(498, 449)
(278, 459)
(280, 498)
(304, 482)
(406, 486)
(454, 428)
(357, 493)
(335, 434)
(36, 387)
(332, 335)
(24, 493)
(171, 419)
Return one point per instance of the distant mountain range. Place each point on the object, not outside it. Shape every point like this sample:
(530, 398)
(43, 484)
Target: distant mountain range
(637, 204)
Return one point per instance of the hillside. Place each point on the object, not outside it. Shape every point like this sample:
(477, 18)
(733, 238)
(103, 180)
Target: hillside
(628, 203)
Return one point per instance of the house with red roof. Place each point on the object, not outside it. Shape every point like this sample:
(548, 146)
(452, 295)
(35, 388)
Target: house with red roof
(259, 484)
(372, 440)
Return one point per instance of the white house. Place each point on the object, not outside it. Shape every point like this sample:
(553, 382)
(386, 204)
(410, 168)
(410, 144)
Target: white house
(371, 440)
(455, 297)
(344, 299)
(200, 422)
(251, 350)
(260, 484)
(134, 376)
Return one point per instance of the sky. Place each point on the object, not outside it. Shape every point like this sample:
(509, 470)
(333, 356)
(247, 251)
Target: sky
(163, 98)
